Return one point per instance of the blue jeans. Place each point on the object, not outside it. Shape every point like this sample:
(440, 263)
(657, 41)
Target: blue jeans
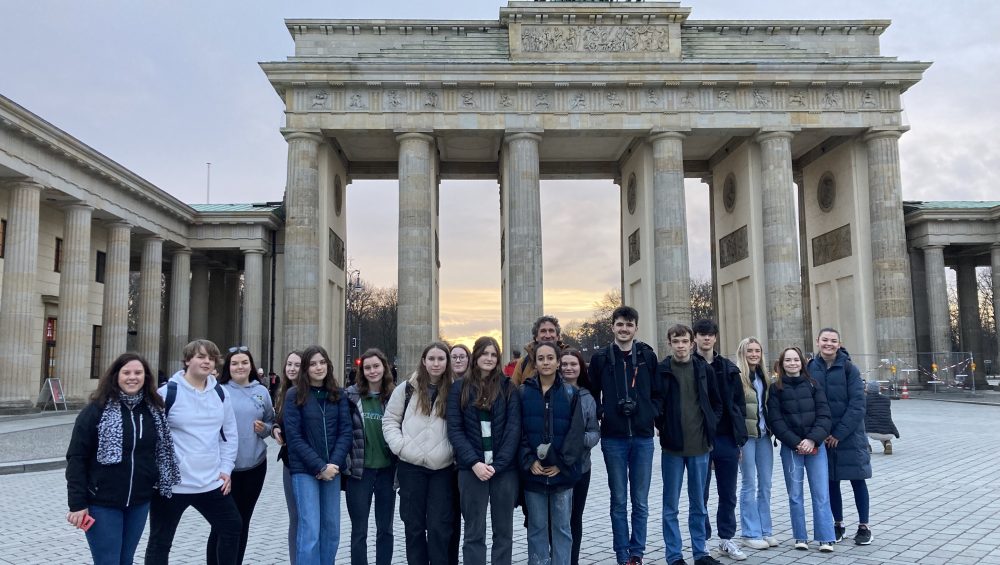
(757, 466)
(549, 511)
(630, 469)
(377, 484)
(318, 503)
(815, 468)
(725, 455)
(672, 467)
(115, 533)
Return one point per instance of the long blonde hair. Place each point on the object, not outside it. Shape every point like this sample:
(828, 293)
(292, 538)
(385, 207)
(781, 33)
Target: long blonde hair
(741, 361)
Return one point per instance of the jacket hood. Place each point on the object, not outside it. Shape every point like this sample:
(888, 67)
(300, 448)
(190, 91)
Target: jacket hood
(179, 379)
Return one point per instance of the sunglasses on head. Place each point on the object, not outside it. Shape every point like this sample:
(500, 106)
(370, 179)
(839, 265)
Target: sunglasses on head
(239, 348)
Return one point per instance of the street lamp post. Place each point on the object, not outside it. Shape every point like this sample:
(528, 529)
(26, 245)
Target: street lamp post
(354, 284)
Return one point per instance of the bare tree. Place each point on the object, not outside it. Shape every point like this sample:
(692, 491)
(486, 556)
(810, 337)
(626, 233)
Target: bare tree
(702, 307)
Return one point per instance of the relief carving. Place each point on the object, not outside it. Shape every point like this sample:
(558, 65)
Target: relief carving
(797, 98)
(579, 101)
(832, 245)
(868, 100)
(687, 101)
(542, 100)
(733, 248)
(357, 102)
(504, 100)
(724, 97)
(633, 247)
(597, 39)
(615, 100)
(321, 100)
(392, 97)
(831, 99)
(760, 99)
(651, 97)
(430, 99)
(468, 99)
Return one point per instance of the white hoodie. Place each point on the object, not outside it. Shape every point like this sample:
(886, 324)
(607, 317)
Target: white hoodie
(195, 419)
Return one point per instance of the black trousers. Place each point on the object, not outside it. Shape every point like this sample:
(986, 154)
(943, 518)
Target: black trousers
(247, 485)
(425, 506)
(218, 509)
(580, 490)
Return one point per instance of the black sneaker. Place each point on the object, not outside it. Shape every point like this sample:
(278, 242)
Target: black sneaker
(863, 537)
(679, 562)
(635, 560)
(707, 560)
(838, 532)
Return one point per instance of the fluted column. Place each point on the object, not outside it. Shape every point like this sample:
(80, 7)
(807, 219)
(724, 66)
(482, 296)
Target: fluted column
(417, 263)
(217, 298)
(150, 300)
(198, 317)
(782, 287)
(921, 312)
(524, 234)
(302, 284)
(969, 322)
(253, 300)
(894, 332)
(180, 309)
(231, 333)
(671, 267)
(995, 271)
(114, 321)
(19, 302)
(804, 284)
(937, 299)
(74, 337)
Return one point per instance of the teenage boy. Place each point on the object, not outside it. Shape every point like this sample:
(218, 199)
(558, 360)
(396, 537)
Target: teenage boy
(687, 423)
(203, 425)
(628, 393)
(730, 435)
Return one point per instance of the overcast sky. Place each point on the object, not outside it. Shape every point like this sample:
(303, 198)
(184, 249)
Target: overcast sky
(164, 87)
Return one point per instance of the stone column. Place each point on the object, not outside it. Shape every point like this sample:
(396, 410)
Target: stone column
(921, 311)
(806, 287)
(969, 323)
(524, 234)
(19, 302)
(894, 332)
(114, 321)
(218, 299)
(782, 287)
(302, 239)
(417, 263)
(150, 301)
(180, 309)
(253, 301)
(714, 244)
(670, 251)
(75, 334)
(937, 299)
(995, 271)
(198, 317)
(231, 327)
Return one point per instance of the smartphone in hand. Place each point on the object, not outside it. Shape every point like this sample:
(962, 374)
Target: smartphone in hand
(88, 521)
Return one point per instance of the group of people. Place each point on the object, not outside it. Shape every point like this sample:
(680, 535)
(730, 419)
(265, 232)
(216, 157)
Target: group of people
(459, 437)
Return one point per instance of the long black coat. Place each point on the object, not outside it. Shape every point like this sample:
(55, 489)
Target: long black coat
(878, 415)
(845, 392)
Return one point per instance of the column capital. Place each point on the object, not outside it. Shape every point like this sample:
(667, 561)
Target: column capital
(153, 238)
(118, 224)
(293, 134)
(878, 133)
(655, 136)
(182, 251)
(933, 246)
(25, 183)
(521, 135)
(253, 251)
(417, 135)
(995, 246)
(769, 135)
(78, 205)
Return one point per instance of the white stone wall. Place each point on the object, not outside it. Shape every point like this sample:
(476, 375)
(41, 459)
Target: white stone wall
(638, 279)
(332, 294)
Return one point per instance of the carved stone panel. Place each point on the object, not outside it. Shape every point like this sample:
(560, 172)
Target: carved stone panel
(832, 246)
(826, 192)
(633, 247)
(594, 39)
(338, 195)
(630, 194)
(336, 249)
(734, 248)
(729, 193)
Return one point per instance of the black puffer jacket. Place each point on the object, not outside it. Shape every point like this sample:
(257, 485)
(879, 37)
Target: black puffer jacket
(117, 486)
(797, 410)
(878, 416)
(732, 421)
(465, 430)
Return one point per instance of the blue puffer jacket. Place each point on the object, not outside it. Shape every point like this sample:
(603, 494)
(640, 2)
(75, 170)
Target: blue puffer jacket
(317, 433)
(845, 393)
(554, 417)
(465, 429)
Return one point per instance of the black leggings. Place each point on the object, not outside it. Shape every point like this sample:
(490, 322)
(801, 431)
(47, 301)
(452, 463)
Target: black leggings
(247, 485)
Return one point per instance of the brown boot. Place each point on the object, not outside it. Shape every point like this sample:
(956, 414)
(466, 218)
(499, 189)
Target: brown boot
(887, 447)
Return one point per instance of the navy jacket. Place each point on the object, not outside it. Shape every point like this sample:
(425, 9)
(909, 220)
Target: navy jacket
(797, 411)
(609, 384)
(845, 392)
(554, 417)
(465, 430)
(317, 433)
(878, 415)
(732, 418)
(669, 421)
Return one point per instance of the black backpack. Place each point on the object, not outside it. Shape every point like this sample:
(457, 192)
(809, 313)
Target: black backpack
(172, 398)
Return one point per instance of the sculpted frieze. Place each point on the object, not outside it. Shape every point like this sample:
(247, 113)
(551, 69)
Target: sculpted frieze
(594, 39)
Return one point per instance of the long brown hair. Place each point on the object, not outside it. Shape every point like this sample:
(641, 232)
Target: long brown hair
(443, 386)
(286, 383)
(486, 387)
(387, 381)
(107, 387)
(583, 381)
(225, 376)
(303, 384)
(780, 365)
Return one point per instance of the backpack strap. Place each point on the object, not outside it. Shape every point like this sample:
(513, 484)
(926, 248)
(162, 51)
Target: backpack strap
(407, 395)
(171, 397)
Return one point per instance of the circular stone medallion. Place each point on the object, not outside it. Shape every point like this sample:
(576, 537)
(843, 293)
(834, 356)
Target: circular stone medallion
(826, 192)
(630, 196)
(338, 195)
(729, 193)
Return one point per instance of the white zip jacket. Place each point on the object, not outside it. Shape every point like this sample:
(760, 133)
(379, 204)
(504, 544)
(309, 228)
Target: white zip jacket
(196, 419)
(416, 438)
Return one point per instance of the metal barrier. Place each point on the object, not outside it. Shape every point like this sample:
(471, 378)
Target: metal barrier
(936, 373)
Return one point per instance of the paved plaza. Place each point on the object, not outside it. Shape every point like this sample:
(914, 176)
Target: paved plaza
(935, 500)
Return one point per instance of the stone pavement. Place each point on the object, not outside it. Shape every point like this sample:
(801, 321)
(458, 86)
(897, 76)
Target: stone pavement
(934, 501)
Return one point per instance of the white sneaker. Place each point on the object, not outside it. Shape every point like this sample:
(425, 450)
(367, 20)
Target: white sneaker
(771, 541)
(756, 543)
(729, 548)
(801, 544)
(826, 547)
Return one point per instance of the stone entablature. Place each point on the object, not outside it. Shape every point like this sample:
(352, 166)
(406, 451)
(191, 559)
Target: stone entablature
(952, 223)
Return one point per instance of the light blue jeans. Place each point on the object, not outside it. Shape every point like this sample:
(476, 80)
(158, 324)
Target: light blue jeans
(672, 468)
(756, 466)
(545, 511)
(318, 535)
(630, 470)
(815, 468)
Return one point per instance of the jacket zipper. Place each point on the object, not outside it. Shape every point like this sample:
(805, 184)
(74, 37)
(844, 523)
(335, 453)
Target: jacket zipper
(326, 441)
(546, 430)
(131, 473)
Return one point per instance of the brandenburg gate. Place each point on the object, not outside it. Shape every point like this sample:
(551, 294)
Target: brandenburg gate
(792, 125)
